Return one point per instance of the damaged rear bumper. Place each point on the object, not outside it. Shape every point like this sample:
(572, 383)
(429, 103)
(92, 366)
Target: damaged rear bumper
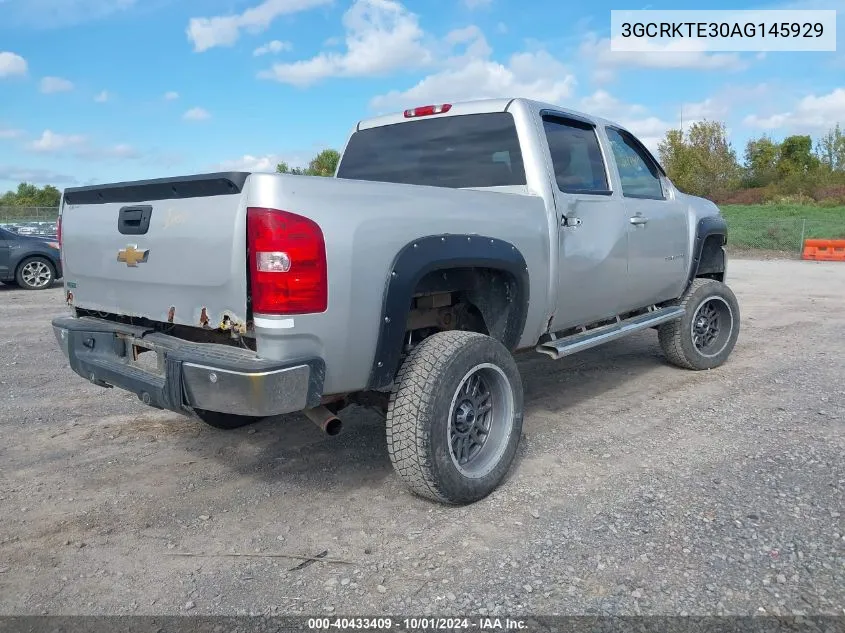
(182, 375)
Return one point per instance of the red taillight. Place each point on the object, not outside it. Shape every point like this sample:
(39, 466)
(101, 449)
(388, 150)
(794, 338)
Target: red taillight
(59, 231)
(287, 260)
(427, 110)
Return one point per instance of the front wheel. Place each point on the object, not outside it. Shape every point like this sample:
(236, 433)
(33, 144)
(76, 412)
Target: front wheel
(454, 418)
(705, 335)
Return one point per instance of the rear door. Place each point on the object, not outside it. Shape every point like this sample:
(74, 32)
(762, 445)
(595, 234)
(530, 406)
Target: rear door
(657, 224)
(592, 225)
(5, 253)
(171, 249)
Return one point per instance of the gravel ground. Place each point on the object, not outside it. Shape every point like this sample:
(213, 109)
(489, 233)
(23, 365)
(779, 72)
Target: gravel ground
(639, 487)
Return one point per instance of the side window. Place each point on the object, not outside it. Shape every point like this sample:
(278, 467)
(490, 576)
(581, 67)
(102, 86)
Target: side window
(576, 156)
(637, 171)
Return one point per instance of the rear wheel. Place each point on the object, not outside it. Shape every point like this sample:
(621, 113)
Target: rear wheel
(225, 421)
(455, 417)
(35, 273)
(705, 336)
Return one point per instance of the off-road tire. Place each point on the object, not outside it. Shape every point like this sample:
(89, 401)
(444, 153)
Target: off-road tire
(421, 407)
(225, 421)
(677, 337)
(23, 280)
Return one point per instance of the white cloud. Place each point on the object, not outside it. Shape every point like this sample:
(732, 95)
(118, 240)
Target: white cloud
(248, 162)
(197, 114)
(50, 142)
(676, 54)
(274, 47)
(532, 75)
(471, 36)
(10, 133)
(381, 36)
(727, 101)
(267, 162)
(102, 97)
(634, 117)
(711, 108)
(224, 30)
(603, 104)
(810, 114)
(171, 96)
(767, 122)
(472, 74)
(51, 85)
(80, 147)
(12, 64)
(121, 151)
(649, 130)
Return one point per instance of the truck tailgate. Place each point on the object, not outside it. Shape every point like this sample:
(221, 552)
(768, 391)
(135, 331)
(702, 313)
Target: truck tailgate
(171, 249)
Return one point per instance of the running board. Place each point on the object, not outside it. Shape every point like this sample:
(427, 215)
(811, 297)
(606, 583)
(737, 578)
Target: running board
(573, 343)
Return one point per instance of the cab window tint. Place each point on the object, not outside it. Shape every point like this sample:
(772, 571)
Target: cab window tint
(576, 156)
(471, 150)
(637, 171)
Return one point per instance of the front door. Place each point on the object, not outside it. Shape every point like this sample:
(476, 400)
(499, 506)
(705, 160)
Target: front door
(657, 225)
(592, 226)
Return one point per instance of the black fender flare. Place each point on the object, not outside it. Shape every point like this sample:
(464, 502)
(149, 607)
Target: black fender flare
(706, 227)
(439, 252)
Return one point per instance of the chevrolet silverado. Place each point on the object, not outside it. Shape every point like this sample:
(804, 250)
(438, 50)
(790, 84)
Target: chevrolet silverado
(451, 237)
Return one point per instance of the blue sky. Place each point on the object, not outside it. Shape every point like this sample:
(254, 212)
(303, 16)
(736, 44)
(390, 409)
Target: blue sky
(105, 90)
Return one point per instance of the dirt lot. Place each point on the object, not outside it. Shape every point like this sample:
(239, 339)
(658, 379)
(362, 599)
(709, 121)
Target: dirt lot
(639, 488)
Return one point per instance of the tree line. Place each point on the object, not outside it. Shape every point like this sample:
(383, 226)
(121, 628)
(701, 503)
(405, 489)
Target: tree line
(702, 162)
(323, 164)
(29, 195)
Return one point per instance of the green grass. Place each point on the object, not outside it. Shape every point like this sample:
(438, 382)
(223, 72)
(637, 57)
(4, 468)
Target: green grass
(779, 227)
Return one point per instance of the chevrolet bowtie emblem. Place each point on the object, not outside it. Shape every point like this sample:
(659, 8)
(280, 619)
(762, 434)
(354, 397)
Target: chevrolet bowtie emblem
(131, 256)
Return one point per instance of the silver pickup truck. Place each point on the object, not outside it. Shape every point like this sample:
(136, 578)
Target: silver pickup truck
(450, 237)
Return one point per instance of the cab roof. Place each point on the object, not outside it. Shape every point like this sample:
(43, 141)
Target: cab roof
(479, 106)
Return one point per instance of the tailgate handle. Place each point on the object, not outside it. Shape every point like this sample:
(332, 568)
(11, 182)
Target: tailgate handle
(134, 220)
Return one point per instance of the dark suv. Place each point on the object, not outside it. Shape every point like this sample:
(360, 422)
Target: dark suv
(29, 261)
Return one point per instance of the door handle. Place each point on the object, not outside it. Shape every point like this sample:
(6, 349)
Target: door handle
(570, 221)
(639, 220)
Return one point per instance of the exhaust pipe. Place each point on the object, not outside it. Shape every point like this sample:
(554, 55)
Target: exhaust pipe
(327, 421)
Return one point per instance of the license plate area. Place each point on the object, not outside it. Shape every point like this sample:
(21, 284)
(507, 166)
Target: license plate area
(144, 356)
